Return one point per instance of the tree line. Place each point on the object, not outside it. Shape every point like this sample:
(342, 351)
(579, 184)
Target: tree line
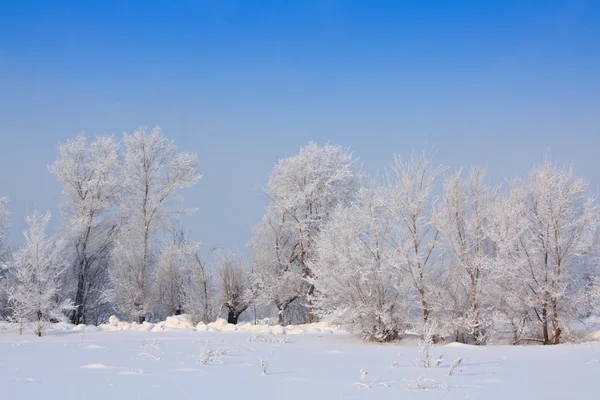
(415, 248)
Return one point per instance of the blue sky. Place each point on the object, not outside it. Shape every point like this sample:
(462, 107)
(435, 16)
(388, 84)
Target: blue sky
(243, 84)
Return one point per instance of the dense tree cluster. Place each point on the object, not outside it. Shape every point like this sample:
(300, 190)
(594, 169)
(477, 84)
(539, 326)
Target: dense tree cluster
(415, 248)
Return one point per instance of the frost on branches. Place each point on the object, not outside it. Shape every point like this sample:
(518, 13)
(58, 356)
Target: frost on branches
(88, 172)
(4, 257)
(153, 171)
(233, 284)
(354, 269)
(545, 232)
(303, 190)
(37, 278)
(409, 190)
(461, 216)
(4, 226)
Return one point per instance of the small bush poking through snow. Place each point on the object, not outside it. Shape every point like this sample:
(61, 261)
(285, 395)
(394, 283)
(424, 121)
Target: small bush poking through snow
(455, 365)
(263, 367)
(426, 384)
(427, 357)
(274, 339)
(211, 356)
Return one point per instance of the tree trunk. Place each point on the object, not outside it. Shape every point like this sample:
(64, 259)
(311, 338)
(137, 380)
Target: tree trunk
(38, 329)
(545, 324)
(424, 306)
(555, 326)
(77, 313)
(310, 316)
(232, 316)
(475, 312)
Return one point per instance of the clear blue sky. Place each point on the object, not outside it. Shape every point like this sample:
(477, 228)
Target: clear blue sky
(245, 83)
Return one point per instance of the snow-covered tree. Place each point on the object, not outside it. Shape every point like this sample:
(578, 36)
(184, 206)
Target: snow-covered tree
(153, 172)
(233, 277)
(90, 191)
(184, 282)
(4, 226)
(276, 277)
(461, 216)
(409, 190)
(555, 227)
(354, 269)
(199, 288)
(303, 189)
(172, 269)
(4, 255)
(37, 273)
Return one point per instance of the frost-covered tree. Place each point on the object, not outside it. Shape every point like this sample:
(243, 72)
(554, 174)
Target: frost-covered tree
(355, 284)
(4, 226)
(233, 278)
(594, 296)
(153, 171)
(172, 269)
(37, 275)
(88, 172)
(409, 190)
(304, 189)
(461, 216)
(184, 283)
(199, 288)
(555, 224)
(4, 255)
(276, 277)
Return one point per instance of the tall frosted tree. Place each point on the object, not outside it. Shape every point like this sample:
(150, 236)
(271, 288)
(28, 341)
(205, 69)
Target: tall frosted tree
(153, 171)
(233, 276)
(88, 172)
(356, 276)
(552, 227)
(304, 190)
(409, 193)
(461, 216)
(4, 226)
(4, 255)
(183, 282)
(37, 274)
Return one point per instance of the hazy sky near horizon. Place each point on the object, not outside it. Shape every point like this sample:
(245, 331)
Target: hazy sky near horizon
(245, 83)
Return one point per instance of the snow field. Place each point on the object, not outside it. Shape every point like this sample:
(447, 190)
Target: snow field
(76, 362)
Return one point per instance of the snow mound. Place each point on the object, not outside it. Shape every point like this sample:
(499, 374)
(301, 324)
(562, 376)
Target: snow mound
(457, 344)
(115, 324)
(185, 322)
(202, 327)
(179, 321)
(96, 366)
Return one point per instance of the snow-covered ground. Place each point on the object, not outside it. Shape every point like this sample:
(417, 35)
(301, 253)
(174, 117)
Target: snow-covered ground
(174, 361)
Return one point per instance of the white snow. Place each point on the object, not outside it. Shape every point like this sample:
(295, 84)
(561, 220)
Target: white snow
(131, 361)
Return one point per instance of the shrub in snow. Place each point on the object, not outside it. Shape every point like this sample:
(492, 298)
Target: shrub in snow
(263, 367)
(262, 338)
(426, 384)
(455, 365)
(211, 356)
(427, 358)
